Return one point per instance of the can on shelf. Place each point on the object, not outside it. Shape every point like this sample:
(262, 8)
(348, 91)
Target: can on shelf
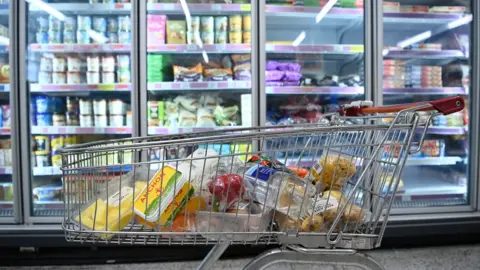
(42, 143)
(101, 120)
(56, 142)
(116, 120)
(44, 119)
(124, 76)
(54, 24)
(100, 24)
(93, 77)
(46, 64)
(100, 106)
(44, 77)
(54, 37)
(83, 37)
(124, 23)
(69, 37)
(117, 107)
(235, 23)
(58, 78)
(85, 107)
(247, 22)
(74, 64)
(112, 24)
(247, 37)
(124, 37)
(86, 120)
(108, 63)
(112, 37)
(59, 120)
(93, 63)
(43, 24)
(108, 77)
(70, 24)
(42, 158)
(73, 78)
(58, 64)
(42, 37)
(235, 37)
(72, 119)
(84, 22)
(221, 24)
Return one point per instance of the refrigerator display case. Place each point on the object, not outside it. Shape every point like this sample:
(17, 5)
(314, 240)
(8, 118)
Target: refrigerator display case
(78, 82)
(314, 63)
(198, 65)
(426, 56)
(6, 181)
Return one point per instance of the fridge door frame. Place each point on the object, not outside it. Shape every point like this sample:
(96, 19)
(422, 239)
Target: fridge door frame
(15, 111)
(429, 213)
(24, 99)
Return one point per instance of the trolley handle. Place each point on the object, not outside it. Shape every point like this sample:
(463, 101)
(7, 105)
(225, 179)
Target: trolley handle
(444, 106)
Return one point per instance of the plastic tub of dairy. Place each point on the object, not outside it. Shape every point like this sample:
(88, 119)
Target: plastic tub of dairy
(59, 120)
(83, 37)
(86, 120)
(112, 24)
(93, 77)
(85, 106)
(101, 120)
(99, 24)
(56, 159)
(84, 22)
(117, 120)
(123, 62)
(124, 76)
(117, 106)
(124, 23)
(74, 64)
(112, 37)
(44, 77)
(58, 64)
(73, 77)
(108, 77)
(100, 106)
(69, 37)
(59, 78)
(108, 63)
(46, 64)
(42, 158)
(93, 63)
(48, 192)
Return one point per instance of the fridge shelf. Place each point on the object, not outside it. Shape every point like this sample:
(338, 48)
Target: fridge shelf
(193, 48)
(426, 91)
(315, 49)
(315, 90)
(72, 88)
(89, 9)
(429, 187)
(180, 130)
(224, 85)
(81, 48)
(425, 54)
(198, 9)
(63, 130)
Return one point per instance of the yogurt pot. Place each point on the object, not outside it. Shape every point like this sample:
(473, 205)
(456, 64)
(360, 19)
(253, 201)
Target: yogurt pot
(206, 24)
(54, 37)
(70, 23)
(221, 38)
(56, 159)
(46, 64)
(93, 77)
(100, 24)
(235, 37)
(74, 64)
(69, 37)
(124, 23)
(124, 37)
(193, 37)
(194, 25)
(208, 37)
(83, 37)
(101, 120)
(56, 142)
(108, 77)
(73, 78)
(247, 37)
(58, 119)
(100, 106)
(86, 120)
(58, 78)
(123, 62)
(117, 107)
(58, 64)
(221, 24)
(93, 63)
(247, 22)
(235, 23)
(124, 76)
(112, 24)
(42, 37)
(112, 37)
(85, 107)
(54, 23)
(108, 64)
(43, 24)
(84, 22)
(116, 120)
(42, 158)
(44, 77)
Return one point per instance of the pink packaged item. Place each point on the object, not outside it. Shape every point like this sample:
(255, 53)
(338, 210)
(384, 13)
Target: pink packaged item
(156, 29)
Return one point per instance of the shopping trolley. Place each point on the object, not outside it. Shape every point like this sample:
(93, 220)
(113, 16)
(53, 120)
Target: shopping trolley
(321, 189)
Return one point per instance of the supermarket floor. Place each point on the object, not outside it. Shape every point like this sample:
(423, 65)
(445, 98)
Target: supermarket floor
(451, 257)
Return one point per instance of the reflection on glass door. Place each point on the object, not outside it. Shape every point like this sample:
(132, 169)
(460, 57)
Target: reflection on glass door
(427, 56)
(79, 80)
(198, 66)
(6, 185)
(314, 59)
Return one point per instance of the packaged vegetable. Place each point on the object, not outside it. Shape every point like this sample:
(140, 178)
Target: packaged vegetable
(210, 101)
(189, 102)
(227, 116)
(205, 118)
(333, 170)
(187, 118)
(218, 74)
(188, 74)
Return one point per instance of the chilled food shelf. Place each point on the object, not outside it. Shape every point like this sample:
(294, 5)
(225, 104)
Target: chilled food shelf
(198, 9)
(213, 85)
(193, 48)
(424, 54)
(315, 90)
(315, 49)
(81, 48)
(88, 9)
(63, 130)
(69, 88)
(426, 91)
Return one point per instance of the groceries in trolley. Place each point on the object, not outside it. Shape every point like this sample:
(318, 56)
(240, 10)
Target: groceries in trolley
(208, 193)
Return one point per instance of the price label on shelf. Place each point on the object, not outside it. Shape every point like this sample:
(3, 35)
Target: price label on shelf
(106, 87)
(356, 48)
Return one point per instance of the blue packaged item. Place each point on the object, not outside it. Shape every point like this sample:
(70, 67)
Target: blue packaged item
(42, 37)
(43, 105)
(44, 119)
(51, 192)
(58, 104)
(1, 117)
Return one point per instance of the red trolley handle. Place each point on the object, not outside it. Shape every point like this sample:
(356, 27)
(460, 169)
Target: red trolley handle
(444, 106)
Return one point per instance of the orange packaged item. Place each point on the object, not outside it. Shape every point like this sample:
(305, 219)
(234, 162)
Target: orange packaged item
(188, 74)
(301, 172)
(218, 74)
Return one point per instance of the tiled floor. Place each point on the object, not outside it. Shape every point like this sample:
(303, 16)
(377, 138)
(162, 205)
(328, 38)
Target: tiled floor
(435, 258)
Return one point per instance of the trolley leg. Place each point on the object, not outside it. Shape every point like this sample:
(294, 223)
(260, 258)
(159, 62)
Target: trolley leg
(213, 256)
(275, 256)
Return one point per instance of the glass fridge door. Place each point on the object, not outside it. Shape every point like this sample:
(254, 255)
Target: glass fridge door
(314, 60)
(199, 65)
(79, 84)
(427, 56)
(6, 184)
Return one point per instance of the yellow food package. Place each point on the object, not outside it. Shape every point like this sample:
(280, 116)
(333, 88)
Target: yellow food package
(333, 170)
(165, 196)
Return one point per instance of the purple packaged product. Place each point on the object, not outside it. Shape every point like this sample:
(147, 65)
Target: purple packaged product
(289, 67)
(274, 84)
(42, 37)
(274, 75)
(272, 65)
(292, 76)
(291, 83)
(243, 75)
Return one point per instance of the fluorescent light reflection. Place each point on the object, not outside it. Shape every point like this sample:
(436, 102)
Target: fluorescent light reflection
(328, 6)
(47, 8)
(299, 39)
